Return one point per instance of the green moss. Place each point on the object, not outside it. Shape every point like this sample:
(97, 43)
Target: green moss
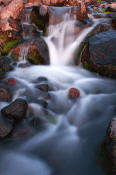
(83, 49)
(33, 57)
(9, 45)
(13, 55)
(86, 65)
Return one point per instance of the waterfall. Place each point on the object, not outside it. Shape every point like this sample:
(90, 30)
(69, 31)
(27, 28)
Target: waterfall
(61, 50)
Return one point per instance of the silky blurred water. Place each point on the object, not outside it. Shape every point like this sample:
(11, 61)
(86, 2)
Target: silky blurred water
(70, 145)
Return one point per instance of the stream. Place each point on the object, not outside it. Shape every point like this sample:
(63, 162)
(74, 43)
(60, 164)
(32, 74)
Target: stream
(71, 143)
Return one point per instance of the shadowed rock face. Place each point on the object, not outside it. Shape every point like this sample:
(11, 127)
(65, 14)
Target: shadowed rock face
(99, 54)
(109, 147)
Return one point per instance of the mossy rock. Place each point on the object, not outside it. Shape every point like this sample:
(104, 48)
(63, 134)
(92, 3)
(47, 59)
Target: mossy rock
(8, 46)
(8, 40)
(33, 57)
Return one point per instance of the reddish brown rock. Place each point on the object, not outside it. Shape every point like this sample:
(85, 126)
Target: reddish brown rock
(10, 81)
(74, 93)
(35, 51)
(16, 110)
(83, 10)
(5, 94)
(5, 128)
(13, 9)
(48, 2)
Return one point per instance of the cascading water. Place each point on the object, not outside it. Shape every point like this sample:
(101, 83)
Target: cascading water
(62, 43)
(71, 144)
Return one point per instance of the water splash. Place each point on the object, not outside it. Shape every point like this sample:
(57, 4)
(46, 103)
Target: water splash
(61, 49)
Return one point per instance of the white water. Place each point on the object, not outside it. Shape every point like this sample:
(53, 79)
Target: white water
(23, 54)
(62, 43)
(71, 145)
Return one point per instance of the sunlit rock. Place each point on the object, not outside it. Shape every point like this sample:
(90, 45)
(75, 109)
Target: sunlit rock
(13, 9)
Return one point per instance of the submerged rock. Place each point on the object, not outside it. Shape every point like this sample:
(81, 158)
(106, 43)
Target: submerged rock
(5, 127)
(5, 94)
(43, 87)
(10, 81)
(5, 64)
(99, 53)
(74, 93)
(16, 110)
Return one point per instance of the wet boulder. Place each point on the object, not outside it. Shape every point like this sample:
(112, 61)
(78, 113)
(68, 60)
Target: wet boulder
(5, 94)
(16, 110)
(99, 54)
(5, 64)
(109, 147)
(5, 127)
(36, 52)
(74, 93)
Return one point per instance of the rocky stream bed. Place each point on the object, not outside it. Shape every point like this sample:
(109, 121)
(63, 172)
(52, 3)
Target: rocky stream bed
(57, 87)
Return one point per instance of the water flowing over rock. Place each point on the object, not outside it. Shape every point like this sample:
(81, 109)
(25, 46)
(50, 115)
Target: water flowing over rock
(35, 51)
(99, 53)
(42, 16)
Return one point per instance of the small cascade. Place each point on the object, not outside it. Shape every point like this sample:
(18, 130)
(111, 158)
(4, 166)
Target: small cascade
(23, 54)
(63, 42)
